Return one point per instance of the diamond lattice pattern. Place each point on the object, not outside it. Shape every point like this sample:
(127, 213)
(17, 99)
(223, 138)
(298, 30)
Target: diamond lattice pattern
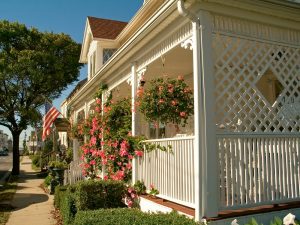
(240, 65)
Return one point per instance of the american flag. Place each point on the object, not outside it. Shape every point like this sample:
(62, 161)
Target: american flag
(48, 119)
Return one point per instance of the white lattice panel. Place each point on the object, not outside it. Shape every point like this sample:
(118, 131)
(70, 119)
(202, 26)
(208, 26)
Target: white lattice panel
(240, 106)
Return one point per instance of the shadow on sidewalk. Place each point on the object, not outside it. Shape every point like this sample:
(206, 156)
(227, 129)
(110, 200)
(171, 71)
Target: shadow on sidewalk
(22, 200)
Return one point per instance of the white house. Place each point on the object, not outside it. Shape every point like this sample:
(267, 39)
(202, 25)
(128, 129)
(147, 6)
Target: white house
(241, 149)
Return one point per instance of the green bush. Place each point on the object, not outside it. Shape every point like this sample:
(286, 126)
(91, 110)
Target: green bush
(47, 180)
(59, 194)
(67, 206)
(36, 160)
(125, 216)
(99, 194)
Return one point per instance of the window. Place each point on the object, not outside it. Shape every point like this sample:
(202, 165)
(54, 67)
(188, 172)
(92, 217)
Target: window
(107, 53)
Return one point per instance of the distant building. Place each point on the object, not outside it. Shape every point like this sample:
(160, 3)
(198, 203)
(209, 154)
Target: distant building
(34, 142)
(3, 139)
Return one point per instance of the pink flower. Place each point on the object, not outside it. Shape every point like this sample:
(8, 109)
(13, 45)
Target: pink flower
(161, 101)
(140, 92)
(93, 140)
(129, 166)
(115, 144)
(104, 161)
(130, 156)
(183, 114)
(129, 203)
(180, 78)
(138, 153)
(173, 102)
(133, 195)
(170, 89)
(98, 101)
(106, 109)
(123, 152)
(98, 109)
(152, 186)
(130, 190)
(102, 143)
(93, 162)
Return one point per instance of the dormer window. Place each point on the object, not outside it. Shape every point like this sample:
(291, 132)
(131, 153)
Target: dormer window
(107, 53)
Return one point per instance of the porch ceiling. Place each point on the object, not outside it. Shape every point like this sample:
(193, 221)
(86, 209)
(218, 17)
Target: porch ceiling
(178, 61)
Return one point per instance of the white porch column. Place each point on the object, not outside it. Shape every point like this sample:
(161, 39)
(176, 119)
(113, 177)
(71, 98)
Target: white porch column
(206, 160)
(86, 114)
(197, 123)
(210, 170)
(133, 120)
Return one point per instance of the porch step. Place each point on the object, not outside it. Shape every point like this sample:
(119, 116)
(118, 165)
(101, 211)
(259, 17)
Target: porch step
(263, 214)
(148, 203)
(255, 210)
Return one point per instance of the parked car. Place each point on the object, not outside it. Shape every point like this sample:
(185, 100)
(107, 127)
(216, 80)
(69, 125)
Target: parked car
(3, 153)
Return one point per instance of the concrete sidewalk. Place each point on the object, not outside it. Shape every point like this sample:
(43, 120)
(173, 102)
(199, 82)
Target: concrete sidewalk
(32, 205)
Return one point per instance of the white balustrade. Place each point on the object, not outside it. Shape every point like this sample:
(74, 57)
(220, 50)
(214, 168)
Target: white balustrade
(171, 173)
(258, 169)
(74, 173)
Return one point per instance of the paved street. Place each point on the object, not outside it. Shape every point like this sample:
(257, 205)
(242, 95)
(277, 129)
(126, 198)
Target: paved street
(5, 164)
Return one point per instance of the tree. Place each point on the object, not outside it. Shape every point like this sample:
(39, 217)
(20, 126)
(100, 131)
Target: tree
(34, 66)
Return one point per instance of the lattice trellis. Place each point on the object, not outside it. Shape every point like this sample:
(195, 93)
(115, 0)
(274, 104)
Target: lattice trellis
(240, 106)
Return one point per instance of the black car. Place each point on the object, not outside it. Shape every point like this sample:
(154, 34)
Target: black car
(3, 153)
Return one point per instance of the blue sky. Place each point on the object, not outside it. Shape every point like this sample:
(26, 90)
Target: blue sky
(67, 16)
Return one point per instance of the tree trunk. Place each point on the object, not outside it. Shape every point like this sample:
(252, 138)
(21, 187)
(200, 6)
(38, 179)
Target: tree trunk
(16, 153)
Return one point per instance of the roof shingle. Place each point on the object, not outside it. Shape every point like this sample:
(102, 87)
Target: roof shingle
(104, 28)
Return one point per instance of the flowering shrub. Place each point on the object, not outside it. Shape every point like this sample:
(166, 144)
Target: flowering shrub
(167, 100)
(110, 141)
(153, 190)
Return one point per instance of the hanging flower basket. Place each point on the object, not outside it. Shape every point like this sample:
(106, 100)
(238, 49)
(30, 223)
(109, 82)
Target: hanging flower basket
(166, 101)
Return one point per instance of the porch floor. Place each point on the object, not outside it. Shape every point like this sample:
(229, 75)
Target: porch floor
(225, 214)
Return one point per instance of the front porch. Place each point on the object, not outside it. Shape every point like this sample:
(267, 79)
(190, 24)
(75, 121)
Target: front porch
(240, 152)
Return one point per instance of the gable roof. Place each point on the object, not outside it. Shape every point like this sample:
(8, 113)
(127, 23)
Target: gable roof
(105, 28)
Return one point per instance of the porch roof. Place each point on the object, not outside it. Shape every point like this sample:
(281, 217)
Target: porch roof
(105, 28)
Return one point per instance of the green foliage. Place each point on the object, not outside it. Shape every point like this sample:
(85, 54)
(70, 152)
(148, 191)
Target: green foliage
(36, 160)
(47, 180)
(118, 117)
(166, 101)
(127, 216)
(59, 194)
(140, 187)
(69, 155)
(34, 66)
(58, 164)
(99, 194)
(67, 206)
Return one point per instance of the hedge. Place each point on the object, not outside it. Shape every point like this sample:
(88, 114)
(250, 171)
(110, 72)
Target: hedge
(125, 216)
(67, 205)
(99, 194)
(60, 192)
(88, 195)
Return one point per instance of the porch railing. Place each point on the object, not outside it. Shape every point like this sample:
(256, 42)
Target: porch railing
(171, 173)
(258, 169)
(74, 173)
